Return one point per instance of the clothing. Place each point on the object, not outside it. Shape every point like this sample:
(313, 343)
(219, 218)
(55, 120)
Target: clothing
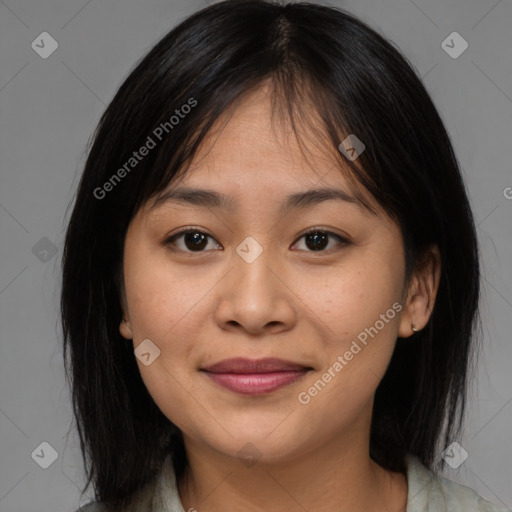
(426, 493)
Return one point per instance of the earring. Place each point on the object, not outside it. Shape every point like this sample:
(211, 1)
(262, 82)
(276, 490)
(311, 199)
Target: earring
(413, 327)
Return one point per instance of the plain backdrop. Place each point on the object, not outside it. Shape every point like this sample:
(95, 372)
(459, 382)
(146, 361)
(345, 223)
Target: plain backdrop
(49, 108)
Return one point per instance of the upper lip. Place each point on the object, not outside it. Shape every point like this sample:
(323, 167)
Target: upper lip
(244, 365)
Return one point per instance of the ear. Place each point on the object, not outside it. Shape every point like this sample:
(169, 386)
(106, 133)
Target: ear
(125, 327)
(422, 292)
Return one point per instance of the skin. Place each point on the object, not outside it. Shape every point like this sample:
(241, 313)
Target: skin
(292, 303)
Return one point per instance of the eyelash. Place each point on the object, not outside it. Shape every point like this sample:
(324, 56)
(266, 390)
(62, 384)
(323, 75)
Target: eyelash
(171, 239)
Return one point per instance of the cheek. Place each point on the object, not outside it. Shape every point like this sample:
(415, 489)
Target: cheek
(159, 312)
(170, 389)
(360, 305)
(161, 299)
(351, 297)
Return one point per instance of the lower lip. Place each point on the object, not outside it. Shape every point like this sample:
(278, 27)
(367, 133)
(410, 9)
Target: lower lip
(256, 383)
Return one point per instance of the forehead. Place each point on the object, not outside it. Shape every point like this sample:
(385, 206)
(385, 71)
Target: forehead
(253, 151)
(251, 142)
(254, 132)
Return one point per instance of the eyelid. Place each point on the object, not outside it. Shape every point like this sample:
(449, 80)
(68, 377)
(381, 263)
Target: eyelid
(315, 229)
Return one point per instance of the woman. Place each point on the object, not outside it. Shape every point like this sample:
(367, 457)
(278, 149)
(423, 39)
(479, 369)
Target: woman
(270, 277)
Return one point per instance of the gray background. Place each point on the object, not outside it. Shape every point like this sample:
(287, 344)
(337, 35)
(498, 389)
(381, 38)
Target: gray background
(49, 108)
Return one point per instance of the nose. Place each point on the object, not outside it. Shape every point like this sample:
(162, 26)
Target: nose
(256, 297)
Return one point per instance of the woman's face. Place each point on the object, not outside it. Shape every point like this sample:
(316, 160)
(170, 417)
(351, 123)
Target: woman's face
(255, 287)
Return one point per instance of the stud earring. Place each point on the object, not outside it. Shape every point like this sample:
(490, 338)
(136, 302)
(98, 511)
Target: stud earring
(413, 327)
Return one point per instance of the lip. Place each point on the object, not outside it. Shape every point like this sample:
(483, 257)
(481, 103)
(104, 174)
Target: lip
(255, 376)
(245, 365)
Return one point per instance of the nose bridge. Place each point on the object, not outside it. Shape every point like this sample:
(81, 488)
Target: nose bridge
(254, 296)
(253, 264)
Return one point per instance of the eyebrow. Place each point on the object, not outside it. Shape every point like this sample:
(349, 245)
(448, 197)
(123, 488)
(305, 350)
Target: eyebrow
(212, 199)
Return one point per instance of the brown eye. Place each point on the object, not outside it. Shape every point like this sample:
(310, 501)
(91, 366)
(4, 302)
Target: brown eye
(193, 240)
(318, 240)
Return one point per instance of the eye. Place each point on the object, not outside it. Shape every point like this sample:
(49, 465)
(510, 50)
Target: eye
(194, 240)
(317, 239)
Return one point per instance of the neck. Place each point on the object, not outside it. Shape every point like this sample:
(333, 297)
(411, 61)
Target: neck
(335, 476)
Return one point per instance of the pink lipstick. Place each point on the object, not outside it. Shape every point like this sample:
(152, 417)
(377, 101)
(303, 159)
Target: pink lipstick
(255, 376)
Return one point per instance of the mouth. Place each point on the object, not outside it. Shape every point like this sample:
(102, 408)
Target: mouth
(255, 376)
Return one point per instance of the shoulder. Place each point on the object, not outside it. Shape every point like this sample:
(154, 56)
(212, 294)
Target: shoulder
(431, 492)
(460, 497)
(159, 495)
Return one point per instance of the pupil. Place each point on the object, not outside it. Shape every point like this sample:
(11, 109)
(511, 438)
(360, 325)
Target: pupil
(198, 240)
(319, 241)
